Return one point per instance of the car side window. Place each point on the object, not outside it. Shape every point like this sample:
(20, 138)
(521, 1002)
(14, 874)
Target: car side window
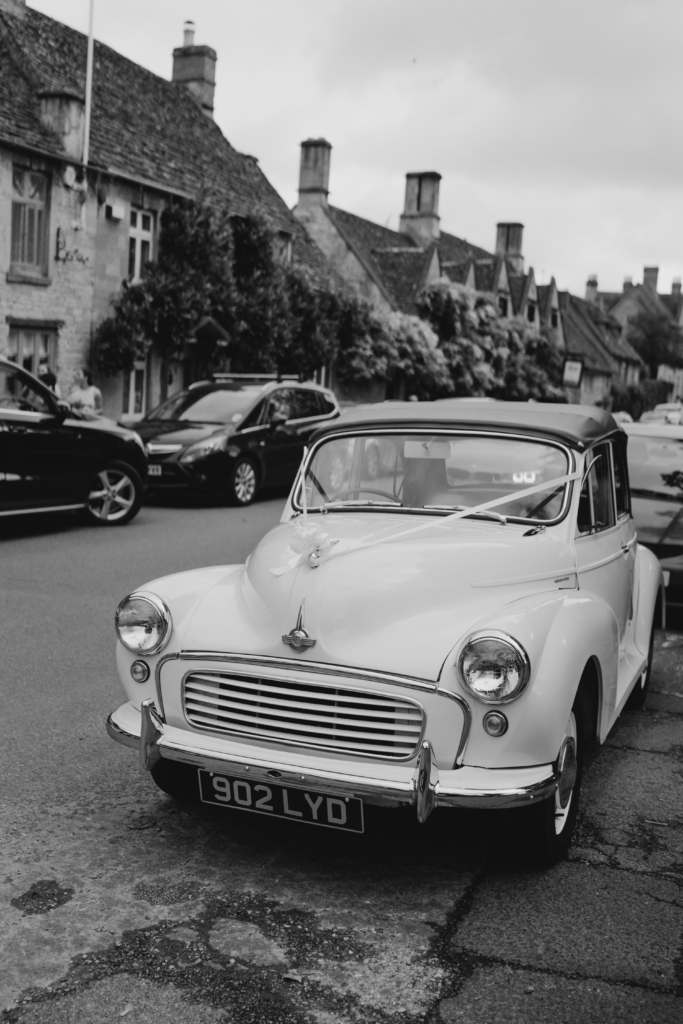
(620, 481)
(19, 392)
(253, 418)
(326, 404)
(600, 489)
(305, 404)
(280, 403)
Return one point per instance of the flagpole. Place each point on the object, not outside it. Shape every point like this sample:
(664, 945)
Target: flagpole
(88, 87)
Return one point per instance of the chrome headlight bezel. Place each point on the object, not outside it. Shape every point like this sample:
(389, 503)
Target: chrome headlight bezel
(203, 449)
(521, 657)
(162, 610)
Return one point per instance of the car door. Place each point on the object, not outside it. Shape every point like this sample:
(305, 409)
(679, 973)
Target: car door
(41, 457)
(282, 444)
(605, 545)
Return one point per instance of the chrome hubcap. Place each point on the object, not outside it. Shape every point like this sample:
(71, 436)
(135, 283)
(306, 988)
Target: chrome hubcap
(245, 482)
(112, 496)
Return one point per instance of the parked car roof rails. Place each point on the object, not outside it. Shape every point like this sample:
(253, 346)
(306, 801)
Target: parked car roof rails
(255, 377)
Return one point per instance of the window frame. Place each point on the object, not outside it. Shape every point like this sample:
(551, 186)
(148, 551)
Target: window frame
(137, 238)
(595, 530)
(129, 390)
(614, 452)
(37, 269)
(19, 332)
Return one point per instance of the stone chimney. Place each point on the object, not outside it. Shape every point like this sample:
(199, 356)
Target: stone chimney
(628, 284)
(509, 244)
(420, 218)
(650, 275)
(314, 173)
(195, 66)
(676, 286)
(592, 288)
(16, 7)
(63, 111)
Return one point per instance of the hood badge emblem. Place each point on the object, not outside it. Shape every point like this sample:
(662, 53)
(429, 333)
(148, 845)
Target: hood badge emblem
(297, 638)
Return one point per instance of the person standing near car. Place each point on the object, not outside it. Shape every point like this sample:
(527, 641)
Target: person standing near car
(84, 396)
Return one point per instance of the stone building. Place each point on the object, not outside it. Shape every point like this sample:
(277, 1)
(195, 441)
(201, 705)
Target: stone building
(388, 268)
(70, 234)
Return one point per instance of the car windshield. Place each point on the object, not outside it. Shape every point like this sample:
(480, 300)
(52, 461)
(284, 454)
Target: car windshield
(437, 472)
(655, 465)
(218, 405)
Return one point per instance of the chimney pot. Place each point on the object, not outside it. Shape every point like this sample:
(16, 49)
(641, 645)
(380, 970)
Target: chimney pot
(628, 283)
(420, 218)
(195, 67)
(676, 286)
(650, 275)
(509, 244)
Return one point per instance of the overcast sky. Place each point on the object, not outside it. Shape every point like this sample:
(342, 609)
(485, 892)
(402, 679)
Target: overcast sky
(562, 114)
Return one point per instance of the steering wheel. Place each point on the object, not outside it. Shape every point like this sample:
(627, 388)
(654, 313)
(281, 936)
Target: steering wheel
(364, 490)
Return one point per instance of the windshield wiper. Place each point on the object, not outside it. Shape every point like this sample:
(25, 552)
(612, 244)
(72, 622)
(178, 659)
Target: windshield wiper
(462, 508)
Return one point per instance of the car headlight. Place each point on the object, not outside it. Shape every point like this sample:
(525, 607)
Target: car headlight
(200, 449)
(143, 623)
(494, 668)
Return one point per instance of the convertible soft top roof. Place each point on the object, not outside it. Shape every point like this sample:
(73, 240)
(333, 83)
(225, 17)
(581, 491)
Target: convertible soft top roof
(579, 426)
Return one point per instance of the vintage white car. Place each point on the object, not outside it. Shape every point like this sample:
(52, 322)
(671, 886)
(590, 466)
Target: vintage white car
(445, 624)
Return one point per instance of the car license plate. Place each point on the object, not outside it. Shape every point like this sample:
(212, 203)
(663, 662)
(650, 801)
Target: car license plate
(154, 470)
(281, 801)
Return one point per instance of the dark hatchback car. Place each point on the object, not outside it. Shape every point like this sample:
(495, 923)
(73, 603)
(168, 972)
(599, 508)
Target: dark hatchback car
(54, 459)
(231, 438)
(655, 466)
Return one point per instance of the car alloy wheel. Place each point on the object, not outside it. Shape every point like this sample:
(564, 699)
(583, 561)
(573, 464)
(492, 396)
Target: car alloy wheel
(115, 495)
(567, 766)
(243, 484)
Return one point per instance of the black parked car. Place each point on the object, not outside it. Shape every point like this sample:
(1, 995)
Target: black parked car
(230, 438)
(52, 458)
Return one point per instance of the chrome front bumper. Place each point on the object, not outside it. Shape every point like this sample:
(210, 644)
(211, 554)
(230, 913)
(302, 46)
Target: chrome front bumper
(425, 786)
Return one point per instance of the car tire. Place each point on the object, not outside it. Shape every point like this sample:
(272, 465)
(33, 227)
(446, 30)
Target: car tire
(176, 780)
(243, 483)
(638, 694)
(115, 495)
(549, 827)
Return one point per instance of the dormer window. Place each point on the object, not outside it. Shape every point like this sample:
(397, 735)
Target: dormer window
(503, 305)
(531, 312)
(554, 318)
(283, 247)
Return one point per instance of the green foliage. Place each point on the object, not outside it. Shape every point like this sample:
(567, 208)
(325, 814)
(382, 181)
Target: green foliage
(657, 340)
(191, 279)
(487, 354)
(635, 399)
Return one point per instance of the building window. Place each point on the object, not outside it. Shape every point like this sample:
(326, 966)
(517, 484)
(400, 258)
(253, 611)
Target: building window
(140, 243)
(554, 318)
(283, 247)
(33, 349)
(134, 392)
(503, 305)
(29, 221)
(531, 312)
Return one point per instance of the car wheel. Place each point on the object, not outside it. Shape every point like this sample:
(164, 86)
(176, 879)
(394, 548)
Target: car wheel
(243, 483)
(176, 780)
(638, 694)
(115, 495)
(550, 825)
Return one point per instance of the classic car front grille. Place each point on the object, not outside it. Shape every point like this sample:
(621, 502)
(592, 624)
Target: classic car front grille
(324, 717)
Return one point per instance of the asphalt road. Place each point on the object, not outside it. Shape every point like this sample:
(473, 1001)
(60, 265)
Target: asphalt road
(117, 904)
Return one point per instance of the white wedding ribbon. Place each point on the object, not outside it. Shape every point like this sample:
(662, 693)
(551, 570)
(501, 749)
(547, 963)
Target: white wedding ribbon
(319, 544)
